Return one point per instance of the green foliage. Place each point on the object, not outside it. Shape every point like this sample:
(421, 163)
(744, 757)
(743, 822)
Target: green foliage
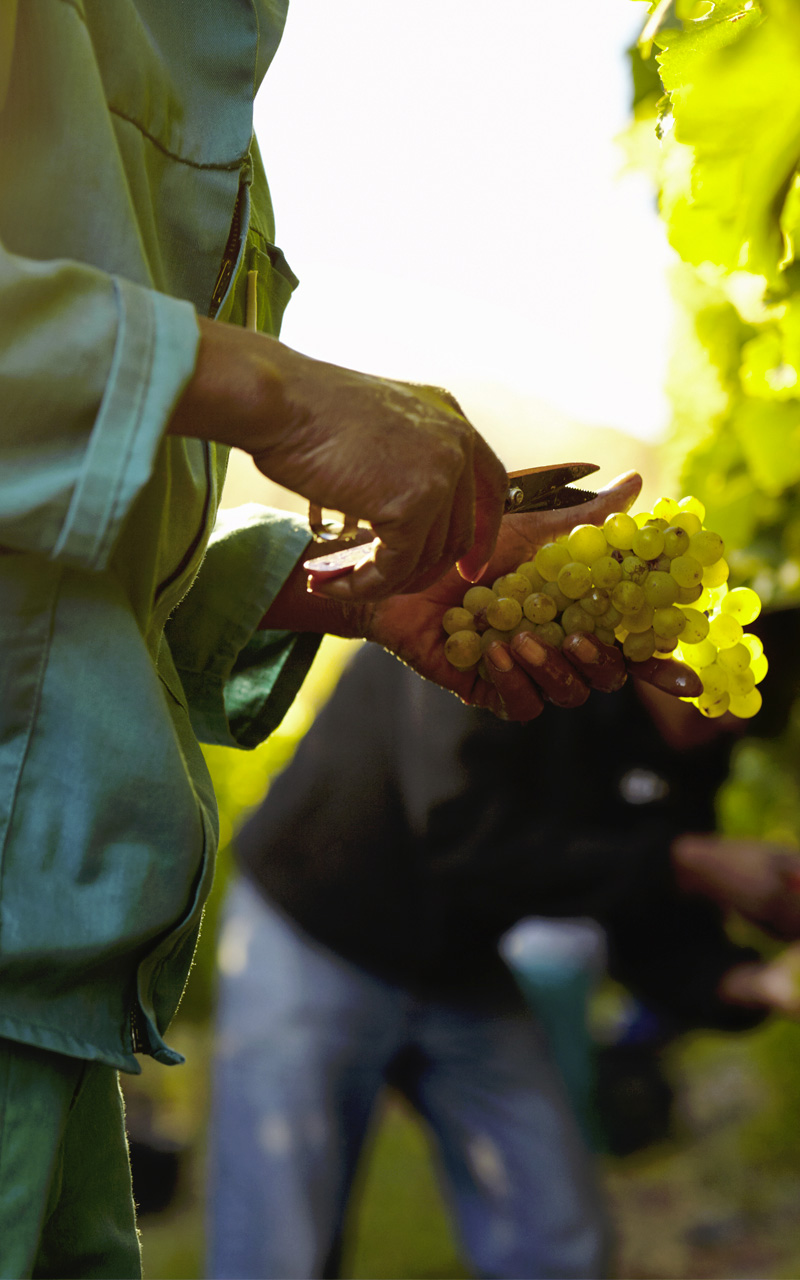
(724, 150)
(726, 108)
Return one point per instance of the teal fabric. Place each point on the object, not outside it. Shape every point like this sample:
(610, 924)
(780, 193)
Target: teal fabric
(127, 623)
(66, 1208)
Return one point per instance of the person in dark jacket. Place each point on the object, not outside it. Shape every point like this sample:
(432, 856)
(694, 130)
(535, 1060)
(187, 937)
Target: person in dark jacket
(360, 947)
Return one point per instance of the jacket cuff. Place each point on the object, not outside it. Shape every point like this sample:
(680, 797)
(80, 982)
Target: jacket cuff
(240, 681)
(154, 358)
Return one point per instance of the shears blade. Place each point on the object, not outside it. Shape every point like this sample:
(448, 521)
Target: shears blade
(548, 488)
(532, 489)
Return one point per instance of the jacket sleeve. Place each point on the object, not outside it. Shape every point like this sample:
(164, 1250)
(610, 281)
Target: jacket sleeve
(240, 681)
(91, 367)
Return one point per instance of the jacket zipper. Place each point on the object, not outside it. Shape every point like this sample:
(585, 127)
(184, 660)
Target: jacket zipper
(229, 258)
(137, 1039)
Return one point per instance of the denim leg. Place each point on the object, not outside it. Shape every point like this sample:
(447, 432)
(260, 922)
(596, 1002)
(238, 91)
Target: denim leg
(303, 1039)
(516, 1169)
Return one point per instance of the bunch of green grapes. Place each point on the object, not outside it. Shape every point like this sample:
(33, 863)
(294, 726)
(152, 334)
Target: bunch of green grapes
(655, 583)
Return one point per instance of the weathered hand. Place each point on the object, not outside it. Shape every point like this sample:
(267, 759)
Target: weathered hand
(759, 879)
(772, 985)
(520, 676)
(402, 458)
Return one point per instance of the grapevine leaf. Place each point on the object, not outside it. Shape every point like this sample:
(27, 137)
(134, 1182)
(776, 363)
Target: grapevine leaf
(735, 93)
(769, 433)
(765, 370)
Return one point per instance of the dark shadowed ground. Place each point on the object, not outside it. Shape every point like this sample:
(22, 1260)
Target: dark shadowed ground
(718, 1201)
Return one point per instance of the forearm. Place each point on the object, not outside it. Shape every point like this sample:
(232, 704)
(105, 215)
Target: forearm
(296, 609)
(237, 394)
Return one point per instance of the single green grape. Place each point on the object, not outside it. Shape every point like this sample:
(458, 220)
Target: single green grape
(528, 568)
(612, 617)
(640, 646)
(702, 654)
(628, 597)
(660, 589)
(707, 547)
(713, 705)
(619, 529)
(648, 543)
(463, 649)
(606, 572)
(693, 504)
(596, 602)
(575, 579)
(669, 621)
(666, 508)
(575, 618)
(539, 607)
(686, 571)
(605, 634)
(745, 706)
(458, 619)
(550, 560)
(551, 632)
(660, 564)
(741, 682)
(689, 595)
(665, 645)
(655, 522)
(735, 658)
(513, 585)
(759, 667)
(705, 601)
(754, 644)
(715, 679)
(640, 621)
(587, 543)
(676, 542)
(724, 631)
(476, 599)
(554, 590)
(504, 614)
(696, 628)
(635, 568)
(687, 520)
(743, 604)
(716, 575)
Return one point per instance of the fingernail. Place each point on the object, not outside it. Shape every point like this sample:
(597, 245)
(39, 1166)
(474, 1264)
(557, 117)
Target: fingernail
(583, 649)
(499, 656)
(473, 577)
(677, 679)
(531, 650)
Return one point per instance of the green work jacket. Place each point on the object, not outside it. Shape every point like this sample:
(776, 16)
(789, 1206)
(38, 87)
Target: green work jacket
(128, 612)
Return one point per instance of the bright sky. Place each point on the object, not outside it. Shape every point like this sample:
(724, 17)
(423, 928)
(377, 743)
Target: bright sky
(447, 187)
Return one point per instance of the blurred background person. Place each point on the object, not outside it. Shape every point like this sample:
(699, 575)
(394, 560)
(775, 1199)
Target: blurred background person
(360, 947)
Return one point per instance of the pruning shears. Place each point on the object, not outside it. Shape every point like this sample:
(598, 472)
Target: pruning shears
(531, 489)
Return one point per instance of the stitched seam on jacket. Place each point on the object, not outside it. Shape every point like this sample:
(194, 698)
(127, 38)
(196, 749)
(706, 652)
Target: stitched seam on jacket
(173, 155)
(193, 164)
(117, 497)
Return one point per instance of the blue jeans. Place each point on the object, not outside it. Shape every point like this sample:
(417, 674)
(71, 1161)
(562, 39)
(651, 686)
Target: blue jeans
(306, 1043)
